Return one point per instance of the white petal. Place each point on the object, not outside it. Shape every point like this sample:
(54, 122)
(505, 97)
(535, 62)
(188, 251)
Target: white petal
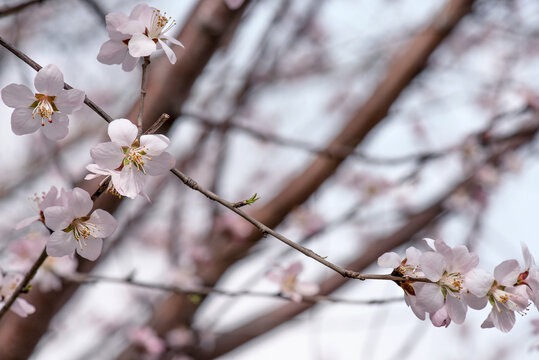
(107, 155)
(389, 260)
(488, 323)
(168, 52)
(160, 164)
(504, 320)
(141, 45)
(430, 297)
(234, 4)
(26, 222)
(22, 122)
(478, 282)
(123, 132)
(507, 272)
(105, 223)
(129, 62)
(413, 255)
(22, 308)
(61, 243)
(49, 80)
(58, 129)
(92, 250)
(113, 21)
(80, 203)
(529, 261)
(476, 303)
(57, 218)
(411, 301)
(132, 27)
(456, 309)
(112, 52)
(307, 289)
(432, 265)
(172, 40)
(69, 101)
(154, 144)
(440, 317)
(141, 12)
(50, 199)
(131, 182)
(94, 168)
(15, 95)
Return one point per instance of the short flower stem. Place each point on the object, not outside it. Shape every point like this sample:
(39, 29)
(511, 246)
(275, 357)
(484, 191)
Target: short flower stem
(24, 283)
(142, 93)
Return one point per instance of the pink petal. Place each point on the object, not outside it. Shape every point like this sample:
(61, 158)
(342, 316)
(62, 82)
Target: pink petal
(15, 95)
(432, 265)
(49, 80)
(112, 52)
(430, 297)
(456, 309)
(478, 282)
(160, 164)
(122, 132)
(413, 255)
(504, 320)
(115, 20)
(411, 301)
(92, 250)
(22, 122)
(129, 63)
(51, 199)
(154, 144)
(57, 218)
(80, 203)
(105, 223)
(234, 4)
(22, 308)
(141, 45)
(58, 129)
(440, 318)
(168, 52)
(389, 260)
(476, 303)
(107, 155)
(69, 101)
(131, 182)
(507, 272)
(61, 243)
(26, 222)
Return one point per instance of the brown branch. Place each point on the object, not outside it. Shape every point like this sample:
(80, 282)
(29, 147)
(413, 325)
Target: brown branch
(206, 290)
(6, 10)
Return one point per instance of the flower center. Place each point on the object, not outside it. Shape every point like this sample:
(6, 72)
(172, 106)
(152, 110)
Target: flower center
(501, 299)
(43, 107)
(82, 230)
(137, 157)
(160, 24)
(289, 284)
(452, 281)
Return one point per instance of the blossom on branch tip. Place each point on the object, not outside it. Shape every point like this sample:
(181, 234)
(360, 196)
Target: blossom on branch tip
(130, 160)
(74, 229)
(8, 284)
(138, 35)
(290, 285)
(47, 109)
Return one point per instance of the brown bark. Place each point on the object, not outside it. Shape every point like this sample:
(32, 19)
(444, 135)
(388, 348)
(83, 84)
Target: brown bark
(168, 87)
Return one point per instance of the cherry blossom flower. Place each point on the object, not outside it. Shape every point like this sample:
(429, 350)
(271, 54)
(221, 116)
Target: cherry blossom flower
(290, 285)
(448, 269)
(147, 32)
(146, 340)
(134, 159)
(8, 284)
(115, 50)
(408, 267)
(506, 297)
(47, 109)
(43, 201)
(74, 229)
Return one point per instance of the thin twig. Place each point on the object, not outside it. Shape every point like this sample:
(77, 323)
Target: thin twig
(206, 290)
(145, 64)
(24, 283)
(34, 65)
(156, 125)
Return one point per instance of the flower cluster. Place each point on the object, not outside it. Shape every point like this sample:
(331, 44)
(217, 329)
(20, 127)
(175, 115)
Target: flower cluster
(138, 35)
(451, 282)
